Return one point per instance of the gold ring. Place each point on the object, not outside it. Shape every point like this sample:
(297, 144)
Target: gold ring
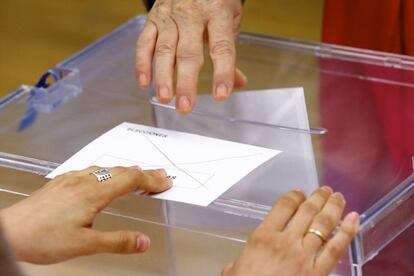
(318, 233)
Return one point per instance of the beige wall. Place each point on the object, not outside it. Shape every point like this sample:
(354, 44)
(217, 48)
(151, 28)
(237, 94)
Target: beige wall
(36, 34)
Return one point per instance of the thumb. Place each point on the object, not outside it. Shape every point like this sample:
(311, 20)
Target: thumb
(119, 242)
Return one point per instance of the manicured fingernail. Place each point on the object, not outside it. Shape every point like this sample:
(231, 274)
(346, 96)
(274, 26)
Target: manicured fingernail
(143, 80)
(143, 243)
(164, 92)
(353, 217)
(136, 167)
(327, 188)
(222, 91)
(183, 103)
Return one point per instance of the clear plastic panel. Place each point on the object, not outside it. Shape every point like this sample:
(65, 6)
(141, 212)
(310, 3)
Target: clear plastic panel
(358, 140)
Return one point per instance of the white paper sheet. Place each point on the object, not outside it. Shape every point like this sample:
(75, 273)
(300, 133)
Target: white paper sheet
(202, 168)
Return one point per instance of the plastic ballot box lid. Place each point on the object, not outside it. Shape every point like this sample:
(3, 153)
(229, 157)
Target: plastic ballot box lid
(352, 129)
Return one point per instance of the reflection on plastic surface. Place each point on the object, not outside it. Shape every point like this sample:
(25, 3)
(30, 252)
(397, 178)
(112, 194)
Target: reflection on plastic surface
(294, 168)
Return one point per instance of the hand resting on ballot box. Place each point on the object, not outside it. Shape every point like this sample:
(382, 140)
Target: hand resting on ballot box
(55, 224)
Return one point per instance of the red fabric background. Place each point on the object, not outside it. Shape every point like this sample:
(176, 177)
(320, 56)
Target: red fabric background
(384, 129)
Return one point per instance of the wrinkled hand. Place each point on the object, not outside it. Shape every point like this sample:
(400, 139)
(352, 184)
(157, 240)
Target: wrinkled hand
(281, 244)
(55, 222)
(174, 37)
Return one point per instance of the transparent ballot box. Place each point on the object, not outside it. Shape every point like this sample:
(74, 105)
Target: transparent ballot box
(350, 129)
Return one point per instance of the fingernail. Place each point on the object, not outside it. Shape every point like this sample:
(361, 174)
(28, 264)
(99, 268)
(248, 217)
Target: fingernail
(143, 243)
(353, 217)
(136, 167)
(143, 81)
(183, 103)
(327, 188)
(339, 196)
(300, 191)
(221, 91)
(164, 92)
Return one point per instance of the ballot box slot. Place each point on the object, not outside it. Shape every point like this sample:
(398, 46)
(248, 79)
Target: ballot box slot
(313, 130)
(47, 97)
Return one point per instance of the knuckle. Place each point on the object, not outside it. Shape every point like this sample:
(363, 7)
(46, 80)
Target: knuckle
(162, 19)
(160, 9)
(261, 237)
(72, 180)
(310, 208)
(335, 250)
(122, 242)
(222, 47)
(144, 40)
(325, 221)
(165, 49)
(184, 8)
(135, 176)
(190, 56)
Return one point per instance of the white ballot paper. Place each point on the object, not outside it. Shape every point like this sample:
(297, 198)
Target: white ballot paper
(201, 168)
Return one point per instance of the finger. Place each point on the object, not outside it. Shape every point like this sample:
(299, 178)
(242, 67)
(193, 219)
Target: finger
(283, 210)
(308, 210)
(222, 53)
(236, 24)
(144, 54)
(335, 248)
(158, 173)
(240, 79)
(114, 171)
(120, 242)
(132, 179)
(325, 222)
(165, 59)
(190, 59)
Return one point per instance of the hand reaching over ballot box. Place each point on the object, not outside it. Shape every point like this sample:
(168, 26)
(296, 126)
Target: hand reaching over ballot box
(54, 224)
(174, 37)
